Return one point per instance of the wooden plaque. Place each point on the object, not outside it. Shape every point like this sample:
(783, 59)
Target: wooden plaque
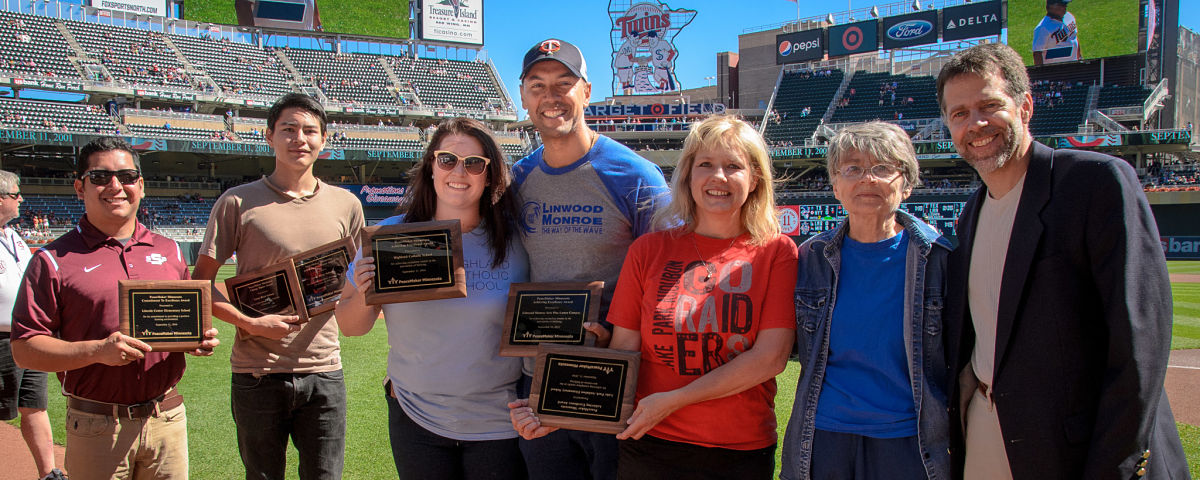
(551, 312)
(415, 262)
(321, 274)
(584, 388)
(169, 315)
(271, 290)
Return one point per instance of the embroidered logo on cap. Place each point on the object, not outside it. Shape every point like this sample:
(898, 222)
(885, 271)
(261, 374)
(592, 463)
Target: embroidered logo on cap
(550, 46)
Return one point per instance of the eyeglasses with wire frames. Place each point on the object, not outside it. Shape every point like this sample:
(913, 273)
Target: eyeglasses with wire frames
(101, 178)
(882, 171)
(14, 195)
(473, 164)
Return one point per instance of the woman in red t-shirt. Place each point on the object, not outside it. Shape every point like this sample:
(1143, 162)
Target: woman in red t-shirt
(708, 302)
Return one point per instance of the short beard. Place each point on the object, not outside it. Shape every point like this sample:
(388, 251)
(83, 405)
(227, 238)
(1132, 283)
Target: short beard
(984, 166)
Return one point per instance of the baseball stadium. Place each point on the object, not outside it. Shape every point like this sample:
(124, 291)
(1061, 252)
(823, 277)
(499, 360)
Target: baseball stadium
(188, 83)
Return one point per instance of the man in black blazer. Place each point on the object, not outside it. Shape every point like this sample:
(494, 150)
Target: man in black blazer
(1058, 313)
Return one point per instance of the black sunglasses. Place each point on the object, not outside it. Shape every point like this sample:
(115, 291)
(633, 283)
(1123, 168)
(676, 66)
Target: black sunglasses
(473, 164)
(101, 178)
(14, 195)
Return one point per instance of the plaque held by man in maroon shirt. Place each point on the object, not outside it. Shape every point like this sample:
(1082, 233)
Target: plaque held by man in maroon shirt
(169, 315)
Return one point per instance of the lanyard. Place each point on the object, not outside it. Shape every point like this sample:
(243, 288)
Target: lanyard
(10, 245)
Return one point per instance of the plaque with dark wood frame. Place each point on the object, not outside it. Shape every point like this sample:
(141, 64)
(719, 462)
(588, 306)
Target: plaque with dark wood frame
(586, 368)
(278, 278)
(338, 254)
(441, 275)
(523, 300)
(183, 331)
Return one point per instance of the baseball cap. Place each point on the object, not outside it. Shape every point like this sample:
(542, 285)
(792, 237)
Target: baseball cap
(558, 50)
(1054, 2)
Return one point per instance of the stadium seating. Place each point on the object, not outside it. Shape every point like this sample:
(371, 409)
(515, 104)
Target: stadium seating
(1057, 114)
(798, 91)
(456, 84)
(33, 45)
(54, 116)
(881, 96)
(237, 68)
(192, 126)
(346, 77)
(133, 56)
(1119, 96)
(374, 138)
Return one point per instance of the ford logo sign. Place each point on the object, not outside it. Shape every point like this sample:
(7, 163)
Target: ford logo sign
(910, 30)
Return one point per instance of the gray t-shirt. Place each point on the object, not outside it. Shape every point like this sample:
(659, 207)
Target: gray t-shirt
(444, 360)
(579, 220)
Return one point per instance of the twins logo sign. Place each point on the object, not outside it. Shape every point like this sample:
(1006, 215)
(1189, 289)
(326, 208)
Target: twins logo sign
(643, 50)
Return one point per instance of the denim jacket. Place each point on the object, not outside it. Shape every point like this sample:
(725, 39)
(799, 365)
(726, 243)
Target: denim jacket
(816, 294)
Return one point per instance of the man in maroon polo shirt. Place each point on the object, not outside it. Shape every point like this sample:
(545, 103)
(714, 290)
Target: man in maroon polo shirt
(124, 417)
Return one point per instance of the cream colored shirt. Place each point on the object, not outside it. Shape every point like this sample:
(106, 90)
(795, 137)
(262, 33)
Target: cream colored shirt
(265, 225)
(988, 253)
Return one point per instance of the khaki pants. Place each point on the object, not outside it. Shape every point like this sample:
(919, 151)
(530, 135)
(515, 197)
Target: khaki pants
(100, 447)
(986, 456)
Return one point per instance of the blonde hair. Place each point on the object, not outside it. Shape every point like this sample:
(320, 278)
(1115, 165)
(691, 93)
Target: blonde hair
(723, 132)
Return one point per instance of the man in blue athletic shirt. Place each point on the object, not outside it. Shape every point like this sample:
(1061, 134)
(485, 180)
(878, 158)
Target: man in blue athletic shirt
(585, 198)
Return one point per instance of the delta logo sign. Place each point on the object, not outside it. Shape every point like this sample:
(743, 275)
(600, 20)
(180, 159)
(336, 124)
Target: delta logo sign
(910, 30)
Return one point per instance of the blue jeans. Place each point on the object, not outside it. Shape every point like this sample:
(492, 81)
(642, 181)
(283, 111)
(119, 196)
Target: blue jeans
(308, 407)
(419, 453)
(568, 454)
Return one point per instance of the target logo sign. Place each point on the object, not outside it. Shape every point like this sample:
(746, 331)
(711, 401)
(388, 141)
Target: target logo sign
(852, 38)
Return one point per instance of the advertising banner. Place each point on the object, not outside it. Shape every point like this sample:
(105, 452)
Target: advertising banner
(908, 30)
(859, 37)
(1181, 248)
(157, 8)
(789, 219)
(452, 21)
(970, 21)
(797, 47)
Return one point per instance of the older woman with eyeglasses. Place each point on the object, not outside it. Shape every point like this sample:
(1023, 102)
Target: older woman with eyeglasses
(871, 399)
(447, 387)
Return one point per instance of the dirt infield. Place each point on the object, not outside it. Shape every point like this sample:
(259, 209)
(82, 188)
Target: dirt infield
(1185, 278)
(18, 463)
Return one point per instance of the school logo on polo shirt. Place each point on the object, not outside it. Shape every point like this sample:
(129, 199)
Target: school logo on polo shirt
(156, 258)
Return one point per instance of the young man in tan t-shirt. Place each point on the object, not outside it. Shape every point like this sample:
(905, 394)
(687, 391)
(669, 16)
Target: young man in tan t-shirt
(287, 377)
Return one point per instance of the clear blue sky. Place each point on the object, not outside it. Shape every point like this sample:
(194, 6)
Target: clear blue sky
(512, 26)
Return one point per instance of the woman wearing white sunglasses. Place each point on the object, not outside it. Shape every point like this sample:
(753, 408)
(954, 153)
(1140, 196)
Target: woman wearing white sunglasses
(447, 387)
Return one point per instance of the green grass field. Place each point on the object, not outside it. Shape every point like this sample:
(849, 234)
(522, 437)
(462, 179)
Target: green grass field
(212, 438)
(380, 18)
(1106, 27)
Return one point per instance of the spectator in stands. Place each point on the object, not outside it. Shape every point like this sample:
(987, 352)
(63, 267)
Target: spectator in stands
(447, 384)
(287, 376)
(870, 405)
(22, 392)
(1044, 277)
(576, 168)
(124, 416)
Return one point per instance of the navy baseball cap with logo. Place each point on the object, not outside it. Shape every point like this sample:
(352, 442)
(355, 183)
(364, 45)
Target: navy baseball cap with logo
(558, 50)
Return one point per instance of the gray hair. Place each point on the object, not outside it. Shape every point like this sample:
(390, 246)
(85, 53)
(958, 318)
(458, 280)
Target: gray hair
(8, 181)
(885, 142)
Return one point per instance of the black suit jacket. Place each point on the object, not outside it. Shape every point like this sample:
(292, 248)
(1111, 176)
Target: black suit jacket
(1084, 325)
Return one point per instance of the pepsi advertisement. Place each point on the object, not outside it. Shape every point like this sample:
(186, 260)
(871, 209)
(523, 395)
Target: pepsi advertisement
(799, 46)
(908, 30)
(849, 39)
(970, 21)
